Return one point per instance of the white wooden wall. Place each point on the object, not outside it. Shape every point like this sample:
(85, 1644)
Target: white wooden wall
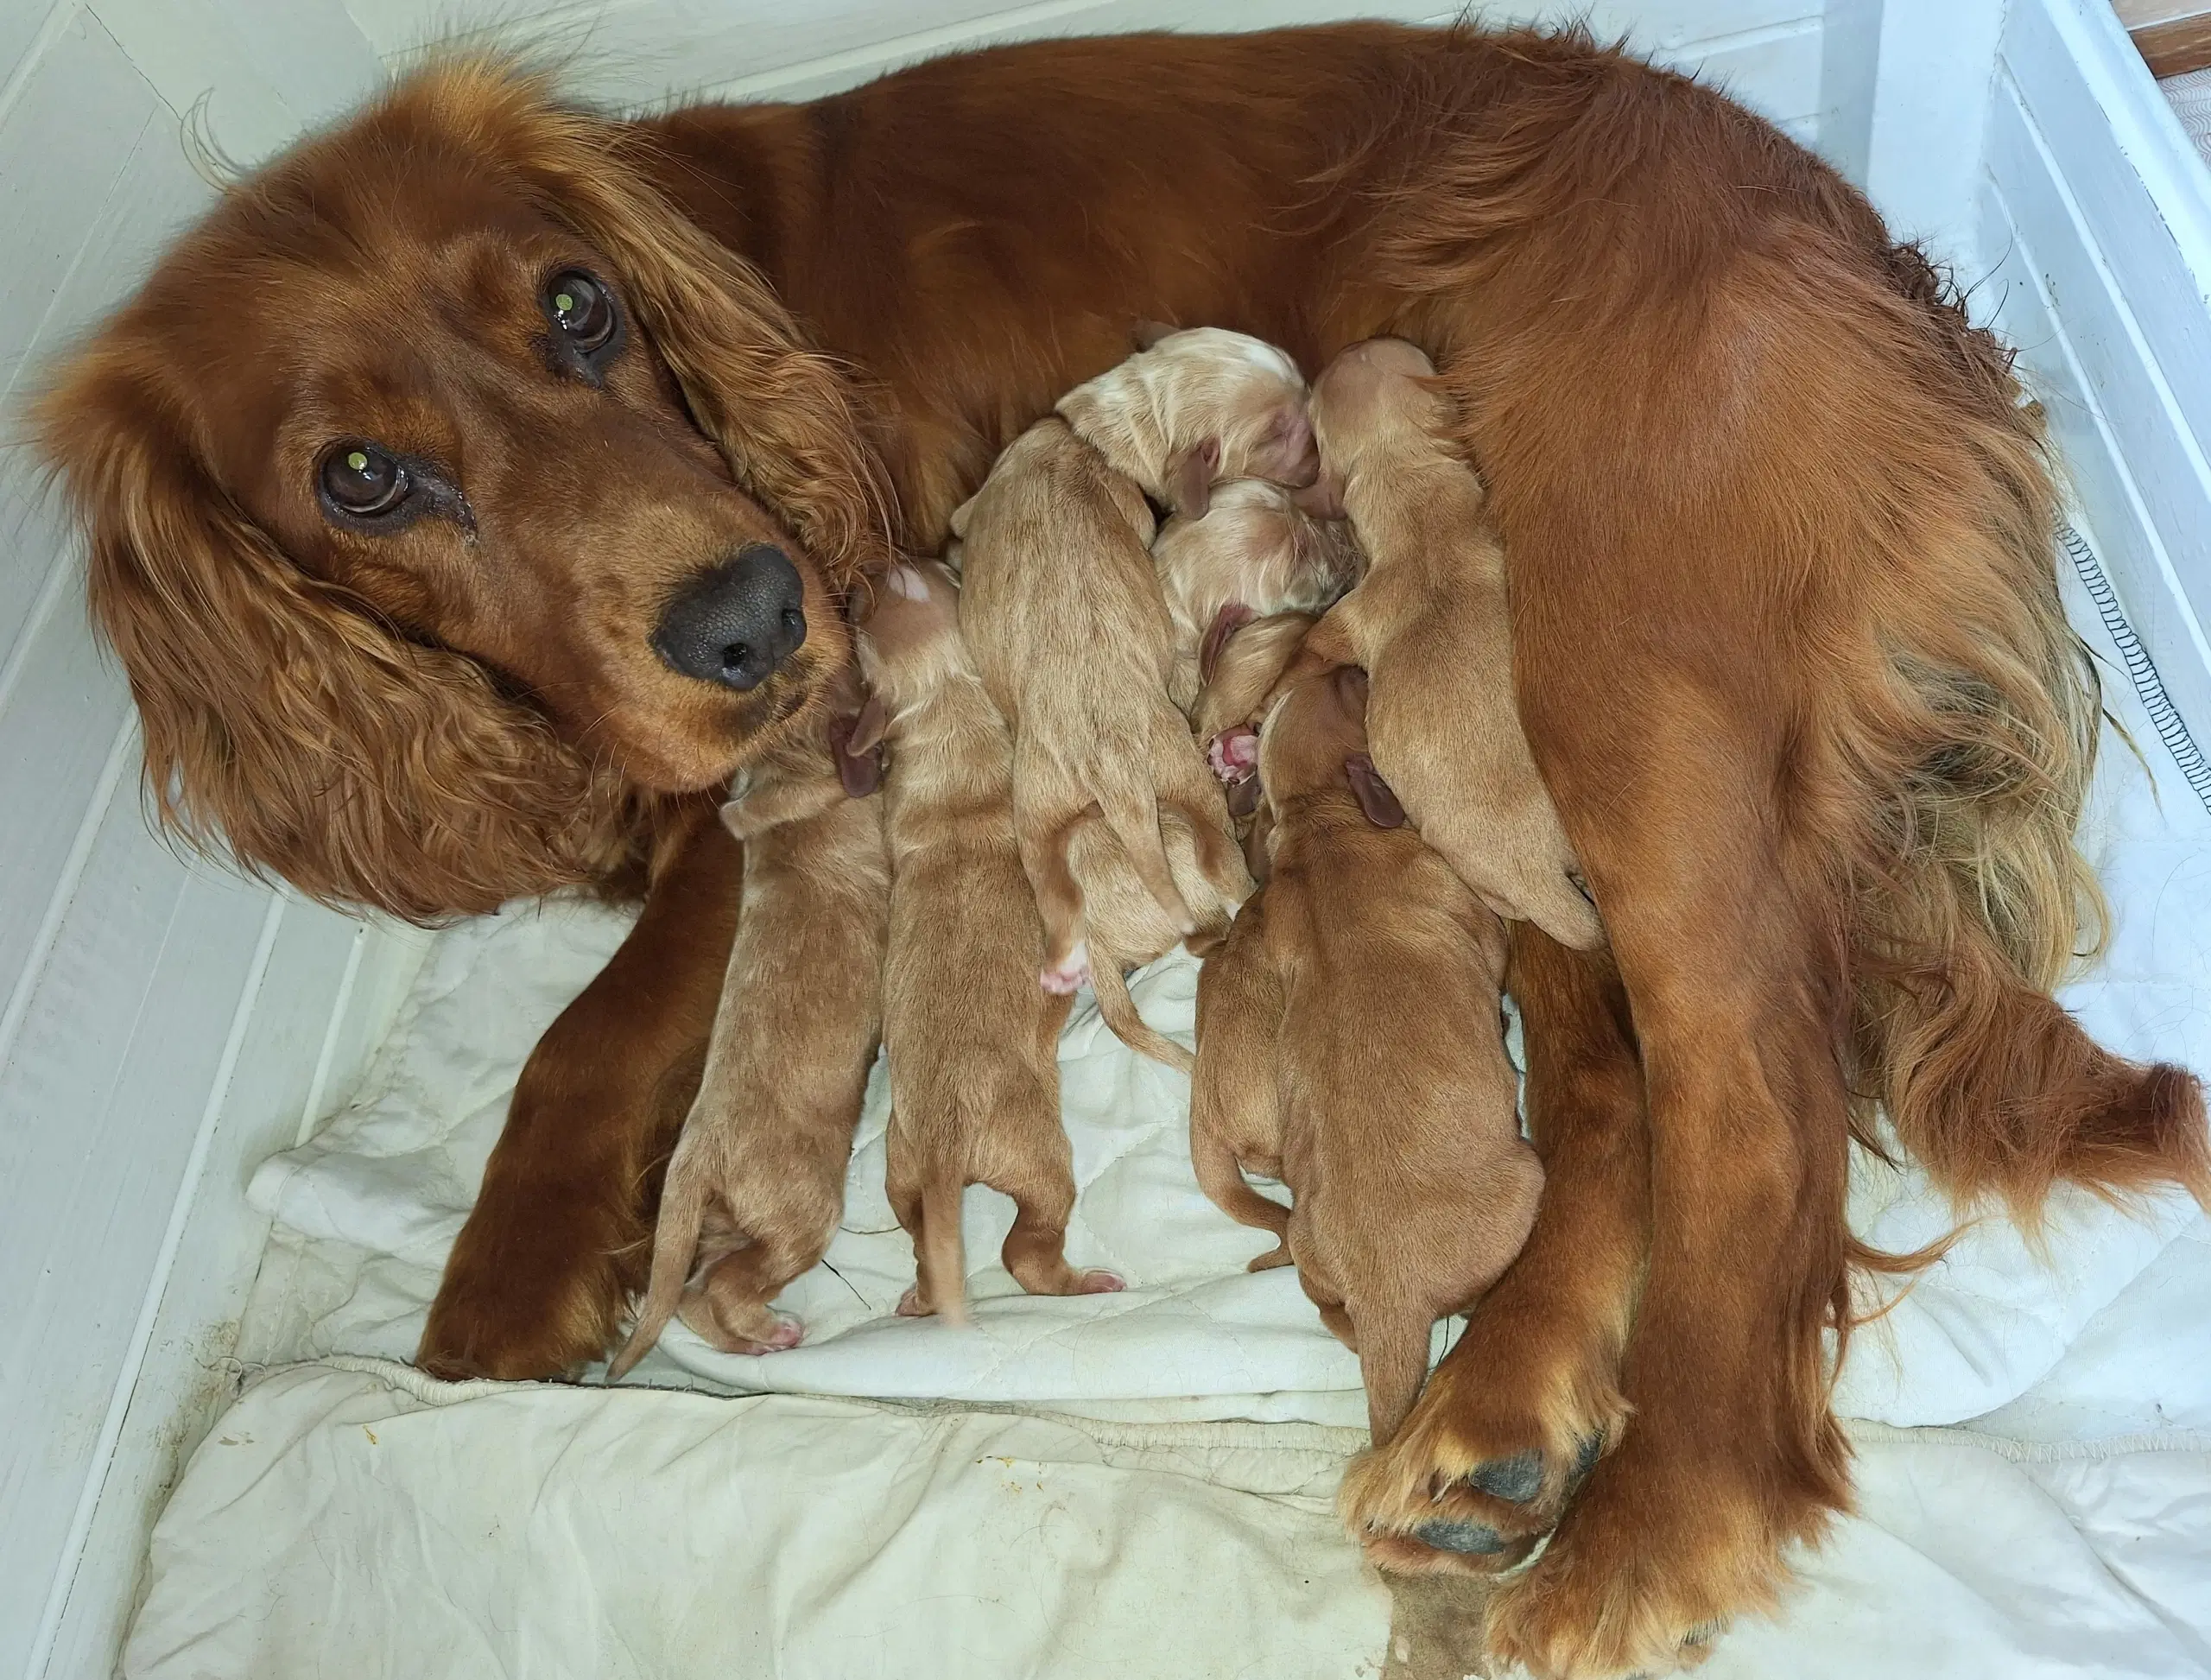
(163, 1027)
(2095, 221)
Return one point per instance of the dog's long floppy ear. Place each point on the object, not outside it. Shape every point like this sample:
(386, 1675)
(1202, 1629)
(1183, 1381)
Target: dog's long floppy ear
(285, 726)
(787, 417)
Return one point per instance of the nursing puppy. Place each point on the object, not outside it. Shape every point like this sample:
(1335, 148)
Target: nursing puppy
(1429, 622)
(1121, 829)
(756, 1183)
(1350, 1042)
(1254, 554)
(973, 1039)
(1194, 408)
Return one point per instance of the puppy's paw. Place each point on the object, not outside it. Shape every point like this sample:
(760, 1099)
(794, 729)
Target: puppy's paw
(1099, 1282)
(789, 1332)
(1234, 754)
(1071, 972)
(913, 1305)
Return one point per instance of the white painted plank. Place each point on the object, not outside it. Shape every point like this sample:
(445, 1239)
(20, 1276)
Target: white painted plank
(2125, 379)
(256, 72)
(1932, 84)
(100, 1104)
(28, 29)
(186, 1375)
(2128, 223)
(56, 731)
(63, 146)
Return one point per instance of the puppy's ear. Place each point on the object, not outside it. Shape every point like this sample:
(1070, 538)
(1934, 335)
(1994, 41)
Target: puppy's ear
(1146, 334)
(1375, 795)
(958, 524)
(1319, 500)
(1190, 476)
(868, 727)
(1226, 623)
(859, 763)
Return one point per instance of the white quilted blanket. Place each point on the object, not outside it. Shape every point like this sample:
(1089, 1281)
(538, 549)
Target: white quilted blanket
(1168, 1513)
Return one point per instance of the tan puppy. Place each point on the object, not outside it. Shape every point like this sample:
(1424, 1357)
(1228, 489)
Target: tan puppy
(1121, 829)
(1192, 408)
(1254, 554)
(1354, 1037)
(756, 1183)
(973, 1040)
(1429, 624)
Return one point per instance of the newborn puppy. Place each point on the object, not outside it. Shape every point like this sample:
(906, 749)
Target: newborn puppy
(1121, 829)
(756, 1183)
(1196, 407)
(1355, 1039)
(1255, 554)
(973, 1039)
(1429, 622)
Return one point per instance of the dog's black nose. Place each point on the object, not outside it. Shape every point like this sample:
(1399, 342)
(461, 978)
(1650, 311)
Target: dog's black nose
(735, 624)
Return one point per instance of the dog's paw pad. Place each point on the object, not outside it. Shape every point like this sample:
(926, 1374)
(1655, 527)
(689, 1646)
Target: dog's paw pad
(1099, 1282)
(1475, 1539)
(910, 1304)
(1516, 1479)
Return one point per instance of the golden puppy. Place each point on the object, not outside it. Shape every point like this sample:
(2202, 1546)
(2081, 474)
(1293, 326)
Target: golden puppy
(1429, 622)
(756, 1183)
(973, 1039)
(1254, 554)
(1121, 829)
(1192, 408)
(1349, 1042)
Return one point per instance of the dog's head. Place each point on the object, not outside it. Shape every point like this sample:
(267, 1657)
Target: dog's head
(447, 490)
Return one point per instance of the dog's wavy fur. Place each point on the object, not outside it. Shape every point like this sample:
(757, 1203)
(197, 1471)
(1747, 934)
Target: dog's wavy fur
(286, 722)
(1787, 641)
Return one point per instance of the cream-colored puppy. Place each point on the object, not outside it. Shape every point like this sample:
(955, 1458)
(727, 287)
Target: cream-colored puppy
(1254, 554)
(973, 1041)
(756, 1183)
(1194, 408)
(1123, 832)
(1429, 624)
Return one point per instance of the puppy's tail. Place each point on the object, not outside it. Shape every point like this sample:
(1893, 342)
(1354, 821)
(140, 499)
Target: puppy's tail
(675, 1240)
(939, 1255)
(1133, 813)
(1222, 1180)
(1120, 1010)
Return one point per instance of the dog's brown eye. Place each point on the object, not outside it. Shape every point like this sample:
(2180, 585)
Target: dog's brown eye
(582, 309)
(365, 482)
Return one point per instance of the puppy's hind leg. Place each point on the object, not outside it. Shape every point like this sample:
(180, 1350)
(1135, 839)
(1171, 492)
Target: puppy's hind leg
(1030, 1162)
(1059, 904)
(1133, 813)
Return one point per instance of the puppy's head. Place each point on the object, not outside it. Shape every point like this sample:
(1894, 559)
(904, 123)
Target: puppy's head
(1314, 742)
(1194, 408)
(1377, 395)
(1254, 548)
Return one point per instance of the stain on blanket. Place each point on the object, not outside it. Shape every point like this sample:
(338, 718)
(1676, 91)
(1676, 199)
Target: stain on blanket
(1435, 1627)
